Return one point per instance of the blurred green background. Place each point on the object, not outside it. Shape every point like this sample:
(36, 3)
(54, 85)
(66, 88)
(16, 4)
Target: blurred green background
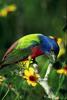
(31, 16)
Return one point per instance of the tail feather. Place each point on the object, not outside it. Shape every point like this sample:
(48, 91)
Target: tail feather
(6, 63)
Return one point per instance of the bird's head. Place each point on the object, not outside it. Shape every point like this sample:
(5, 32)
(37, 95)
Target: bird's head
(60, 44)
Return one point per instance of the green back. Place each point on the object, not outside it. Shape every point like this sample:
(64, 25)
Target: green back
(27, 41)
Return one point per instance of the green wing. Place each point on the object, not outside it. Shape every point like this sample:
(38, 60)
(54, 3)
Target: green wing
(21, 49)
(16, 56)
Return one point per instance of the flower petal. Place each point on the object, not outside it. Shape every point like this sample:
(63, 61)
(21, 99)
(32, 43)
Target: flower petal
(37, 75)
(26, 72)
(60, 71)
(26, 77)
(31, 70)
(29, 82)
(33, 83)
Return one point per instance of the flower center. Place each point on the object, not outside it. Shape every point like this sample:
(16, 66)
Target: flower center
(65, 68)
(32, 78)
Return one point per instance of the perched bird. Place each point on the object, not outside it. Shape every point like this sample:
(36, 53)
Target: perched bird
(32, 45)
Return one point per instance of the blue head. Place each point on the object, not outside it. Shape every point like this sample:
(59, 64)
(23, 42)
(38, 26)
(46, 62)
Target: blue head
(48, 44)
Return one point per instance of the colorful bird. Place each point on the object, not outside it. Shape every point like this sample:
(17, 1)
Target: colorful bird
(32, 45)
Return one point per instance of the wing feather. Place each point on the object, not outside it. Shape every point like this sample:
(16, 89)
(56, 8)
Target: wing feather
(14, 55)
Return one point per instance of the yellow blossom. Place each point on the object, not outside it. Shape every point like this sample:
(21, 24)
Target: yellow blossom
(11, 8)
(3, 12)
(2, 78)
(31, 76)
(62, 71)
(61, 46)
(26, 63)
(7, 9)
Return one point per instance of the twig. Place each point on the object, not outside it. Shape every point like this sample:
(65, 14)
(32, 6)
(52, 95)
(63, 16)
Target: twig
(60, 84)
(5, 94)
(44, 82)
(48, 71)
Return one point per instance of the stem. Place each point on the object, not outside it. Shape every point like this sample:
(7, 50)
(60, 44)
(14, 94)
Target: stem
(16, 93)
(48, 70)
(60, 85)
(44, 83)
(47, 89)
(5, 94)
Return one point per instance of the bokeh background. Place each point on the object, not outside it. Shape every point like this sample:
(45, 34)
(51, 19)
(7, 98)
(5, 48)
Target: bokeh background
(31, 16)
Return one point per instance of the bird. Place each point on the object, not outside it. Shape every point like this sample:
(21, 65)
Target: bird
(32, 45)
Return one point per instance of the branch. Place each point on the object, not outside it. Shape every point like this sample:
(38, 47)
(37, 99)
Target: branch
(44, 82)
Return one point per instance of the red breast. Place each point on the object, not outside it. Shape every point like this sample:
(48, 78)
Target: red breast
(36, 52)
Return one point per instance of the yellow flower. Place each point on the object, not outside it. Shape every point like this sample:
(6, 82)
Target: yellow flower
(26, 63)
(1, 79)
(3, 12)
(31, 76)
(11, 8)
(61, 46)
(62, 70)
(7, 9)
